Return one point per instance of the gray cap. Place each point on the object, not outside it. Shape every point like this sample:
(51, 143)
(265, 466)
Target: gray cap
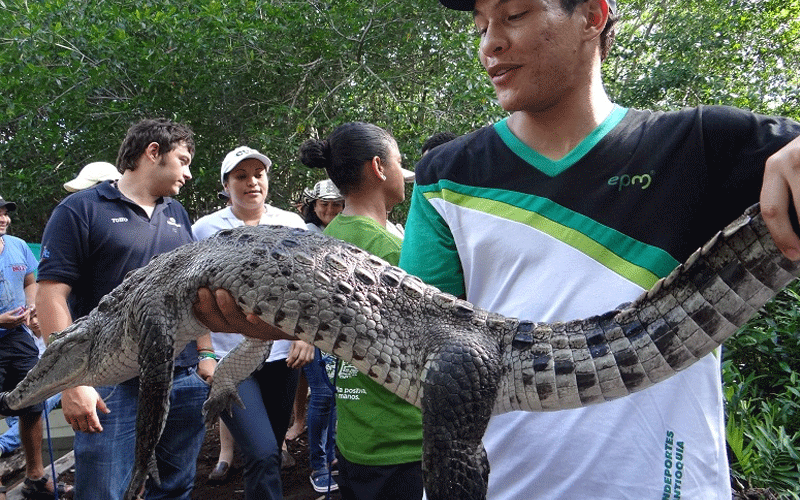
(325, 190)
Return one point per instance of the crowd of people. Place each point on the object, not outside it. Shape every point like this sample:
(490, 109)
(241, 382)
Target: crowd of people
(525, 204)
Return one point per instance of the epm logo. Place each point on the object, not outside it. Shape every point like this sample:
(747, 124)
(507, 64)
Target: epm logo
(641, 181)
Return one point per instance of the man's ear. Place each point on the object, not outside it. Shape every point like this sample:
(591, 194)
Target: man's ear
(596, 16)
(376, 166)
(152, 151)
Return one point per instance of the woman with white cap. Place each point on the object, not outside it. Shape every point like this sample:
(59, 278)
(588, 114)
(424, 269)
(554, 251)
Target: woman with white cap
(268, 393)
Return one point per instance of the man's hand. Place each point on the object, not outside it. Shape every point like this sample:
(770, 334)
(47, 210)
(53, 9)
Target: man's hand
(12, 319)
(205, 369)
(780, 188)
(300, 354)
(80, 405)
(219, 313)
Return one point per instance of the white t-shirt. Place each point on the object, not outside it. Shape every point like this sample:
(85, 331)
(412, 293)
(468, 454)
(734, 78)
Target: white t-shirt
(224, 219)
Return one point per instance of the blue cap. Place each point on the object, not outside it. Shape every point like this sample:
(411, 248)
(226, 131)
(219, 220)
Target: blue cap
(469, 5)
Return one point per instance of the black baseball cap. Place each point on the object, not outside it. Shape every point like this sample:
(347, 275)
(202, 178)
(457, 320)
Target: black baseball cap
(469, 5)
(8, 205)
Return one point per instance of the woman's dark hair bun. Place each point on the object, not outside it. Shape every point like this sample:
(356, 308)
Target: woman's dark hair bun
(315, 153)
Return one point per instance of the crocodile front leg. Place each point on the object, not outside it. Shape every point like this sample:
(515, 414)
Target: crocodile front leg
(242, 361)
(459, 389)
(156, 365)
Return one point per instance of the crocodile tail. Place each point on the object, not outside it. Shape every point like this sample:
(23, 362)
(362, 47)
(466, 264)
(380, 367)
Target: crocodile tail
(682, 318)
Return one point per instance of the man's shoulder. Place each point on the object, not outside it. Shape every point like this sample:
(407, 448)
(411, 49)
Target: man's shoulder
(702, 115)
(14, 241)
(174, 206)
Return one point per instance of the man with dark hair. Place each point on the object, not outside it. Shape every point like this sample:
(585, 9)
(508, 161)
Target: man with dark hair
(92, 240)
(18, 350)
(437, 140)
(573, 205)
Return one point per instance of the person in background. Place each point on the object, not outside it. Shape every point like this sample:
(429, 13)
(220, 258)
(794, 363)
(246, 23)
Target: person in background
(268, 393)
(534, 217)
(437, 140)
(93, 239)
(321, 204)
(314, 405)
(379, 435)
(18, 351)
(92, 174)
(326, 202)
(10, 440)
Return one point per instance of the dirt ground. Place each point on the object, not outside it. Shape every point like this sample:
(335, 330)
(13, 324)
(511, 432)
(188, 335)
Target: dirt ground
(296, 484)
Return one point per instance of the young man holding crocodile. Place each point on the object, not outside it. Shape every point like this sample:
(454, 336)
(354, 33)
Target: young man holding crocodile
(529, 218)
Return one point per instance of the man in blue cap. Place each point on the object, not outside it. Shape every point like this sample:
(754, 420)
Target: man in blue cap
(569, 207)
(573, 205)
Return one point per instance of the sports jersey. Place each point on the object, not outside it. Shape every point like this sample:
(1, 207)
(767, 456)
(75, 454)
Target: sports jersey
(375, 427)
(96, 236)
(553, 240)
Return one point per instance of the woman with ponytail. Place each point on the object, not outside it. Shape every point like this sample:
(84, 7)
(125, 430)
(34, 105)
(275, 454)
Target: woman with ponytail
(379, 435)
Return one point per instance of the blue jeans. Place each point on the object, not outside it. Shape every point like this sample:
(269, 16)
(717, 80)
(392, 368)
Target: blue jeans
(321, 419)
(260, 427)
(10, 441)
(104, 461)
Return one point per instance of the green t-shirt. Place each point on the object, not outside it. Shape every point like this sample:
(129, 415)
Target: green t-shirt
(375, 426)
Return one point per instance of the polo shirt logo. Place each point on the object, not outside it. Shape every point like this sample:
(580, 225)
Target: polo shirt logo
(117, 220)
(642, 181)
(172, 222)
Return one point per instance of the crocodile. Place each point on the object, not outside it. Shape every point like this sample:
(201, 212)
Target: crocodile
(460, 364)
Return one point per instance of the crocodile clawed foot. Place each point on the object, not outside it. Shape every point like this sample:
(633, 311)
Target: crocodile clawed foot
(219, 401)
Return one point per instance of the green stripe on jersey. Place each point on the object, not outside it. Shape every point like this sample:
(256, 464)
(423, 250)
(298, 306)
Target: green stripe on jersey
(636, 261)
(550, 167)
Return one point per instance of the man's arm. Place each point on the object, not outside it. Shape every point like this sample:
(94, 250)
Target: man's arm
(781, 189)
(80, 403)
(30, 298)
(205, 365)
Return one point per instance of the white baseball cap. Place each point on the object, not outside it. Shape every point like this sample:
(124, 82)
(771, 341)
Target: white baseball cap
(408, 175)
(238, 155)
(92, 174)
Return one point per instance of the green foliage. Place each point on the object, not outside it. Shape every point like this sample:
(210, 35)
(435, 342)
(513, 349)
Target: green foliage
(271, 74)
(683, 53)
(761, 371)
(76, 74)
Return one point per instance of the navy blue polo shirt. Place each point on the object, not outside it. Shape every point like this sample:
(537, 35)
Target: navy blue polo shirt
(96, 236)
